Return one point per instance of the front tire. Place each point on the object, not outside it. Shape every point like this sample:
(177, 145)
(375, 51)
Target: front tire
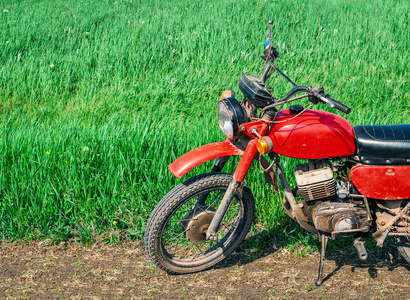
(175, 234)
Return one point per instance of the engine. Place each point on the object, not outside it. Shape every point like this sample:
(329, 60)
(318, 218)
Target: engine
(330, 208)
(315, 180)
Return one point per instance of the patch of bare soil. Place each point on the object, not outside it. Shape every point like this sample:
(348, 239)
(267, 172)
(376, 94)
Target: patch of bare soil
(71, 271)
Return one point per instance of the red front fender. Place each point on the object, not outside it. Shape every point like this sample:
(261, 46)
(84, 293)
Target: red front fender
(198, 156)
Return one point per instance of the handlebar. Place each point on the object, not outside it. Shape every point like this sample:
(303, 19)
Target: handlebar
(340, 106)
(326, 99)
(315, 95)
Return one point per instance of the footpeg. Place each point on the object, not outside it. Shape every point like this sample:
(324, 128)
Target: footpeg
(361, 249)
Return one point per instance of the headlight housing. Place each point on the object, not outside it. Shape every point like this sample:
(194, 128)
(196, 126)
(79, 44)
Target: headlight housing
(230, 116)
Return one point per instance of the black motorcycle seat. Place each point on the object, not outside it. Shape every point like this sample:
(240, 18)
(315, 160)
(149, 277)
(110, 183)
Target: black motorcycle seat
(383, 145)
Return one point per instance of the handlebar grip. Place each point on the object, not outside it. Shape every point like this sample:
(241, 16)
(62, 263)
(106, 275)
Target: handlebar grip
(340, 106)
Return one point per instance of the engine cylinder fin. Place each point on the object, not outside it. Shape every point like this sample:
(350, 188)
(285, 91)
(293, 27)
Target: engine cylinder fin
(317, 183)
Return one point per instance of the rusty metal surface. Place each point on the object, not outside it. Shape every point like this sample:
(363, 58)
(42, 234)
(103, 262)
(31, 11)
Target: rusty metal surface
(364, 229)
(360, 248)
(385, 214)
(366, 203)
(198, 226)
(315, 183)
(388, 225)
(295, 211)
(323, 240)
(338, 216)
(404, 233)
(234, 186)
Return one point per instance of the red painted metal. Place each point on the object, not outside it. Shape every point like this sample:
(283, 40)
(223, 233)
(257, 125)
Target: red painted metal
(186, 162)
(260, 126)
(382, 182)
(245, 161)
(198, 156)
(314, 134)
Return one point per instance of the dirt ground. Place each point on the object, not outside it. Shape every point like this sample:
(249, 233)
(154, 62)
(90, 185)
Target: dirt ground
(71, 271)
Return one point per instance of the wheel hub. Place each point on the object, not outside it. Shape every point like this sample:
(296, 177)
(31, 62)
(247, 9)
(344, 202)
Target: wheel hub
(197, 227)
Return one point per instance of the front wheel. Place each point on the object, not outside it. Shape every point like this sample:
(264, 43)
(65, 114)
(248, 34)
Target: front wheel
(175, 237)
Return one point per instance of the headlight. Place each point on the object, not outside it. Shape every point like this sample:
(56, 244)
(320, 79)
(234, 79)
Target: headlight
(230, 116)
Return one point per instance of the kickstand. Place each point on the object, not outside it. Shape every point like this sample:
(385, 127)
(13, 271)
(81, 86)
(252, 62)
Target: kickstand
(323, 239)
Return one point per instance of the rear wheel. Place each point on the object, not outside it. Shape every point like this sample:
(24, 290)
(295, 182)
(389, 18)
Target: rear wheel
(403, 245)
(175, 234)
(403, 242)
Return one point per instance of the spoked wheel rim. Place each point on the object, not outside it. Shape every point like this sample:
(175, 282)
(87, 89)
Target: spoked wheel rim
(183, 243)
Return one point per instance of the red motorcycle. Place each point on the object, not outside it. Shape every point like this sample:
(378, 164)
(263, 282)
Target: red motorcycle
(353, 184)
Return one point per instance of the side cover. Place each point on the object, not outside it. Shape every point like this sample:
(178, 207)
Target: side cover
(312, 135)
(382, 182)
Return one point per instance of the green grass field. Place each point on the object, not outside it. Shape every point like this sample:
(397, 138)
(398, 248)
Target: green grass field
(98, 97)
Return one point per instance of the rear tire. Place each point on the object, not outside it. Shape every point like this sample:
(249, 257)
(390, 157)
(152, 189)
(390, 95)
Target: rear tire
(173, 242)
(403, 246)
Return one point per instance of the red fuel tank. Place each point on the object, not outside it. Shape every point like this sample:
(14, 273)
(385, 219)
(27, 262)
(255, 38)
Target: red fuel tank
(312, 135)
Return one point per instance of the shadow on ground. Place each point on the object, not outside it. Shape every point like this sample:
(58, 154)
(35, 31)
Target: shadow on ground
(341, 251)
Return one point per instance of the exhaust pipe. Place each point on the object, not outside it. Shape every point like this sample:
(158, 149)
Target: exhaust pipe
(361, 250)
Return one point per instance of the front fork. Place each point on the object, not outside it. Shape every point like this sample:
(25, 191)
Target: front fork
(290, 205)
(236, 182)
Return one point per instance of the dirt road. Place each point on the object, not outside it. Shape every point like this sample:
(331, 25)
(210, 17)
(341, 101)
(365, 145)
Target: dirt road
(70, 271)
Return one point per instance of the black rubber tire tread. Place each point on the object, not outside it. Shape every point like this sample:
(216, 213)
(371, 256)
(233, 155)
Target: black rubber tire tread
(403, 246)
(173, 199)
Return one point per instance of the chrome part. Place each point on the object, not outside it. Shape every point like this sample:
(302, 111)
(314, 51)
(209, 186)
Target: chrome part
(255, 132)
(343, 188)
(230, 116)
(224, 120)
(361, 249)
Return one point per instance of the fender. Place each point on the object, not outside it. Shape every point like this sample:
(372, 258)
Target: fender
(198, 156)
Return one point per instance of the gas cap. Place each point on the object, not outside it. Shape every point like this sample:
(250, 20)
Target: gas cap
(295, 109)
